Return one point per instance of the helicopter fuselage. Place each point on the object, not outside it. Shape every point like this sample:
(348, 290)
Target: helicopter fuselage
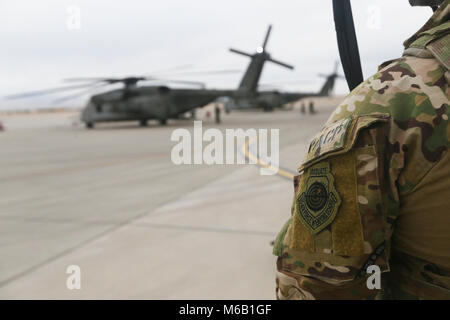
(146, 103)
(266, 100)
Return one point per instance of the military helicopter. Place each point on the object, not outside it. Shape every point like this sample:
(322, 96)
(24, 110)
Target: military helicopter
(248, 95)
(161, 102)
(146, 102)
(132, 102)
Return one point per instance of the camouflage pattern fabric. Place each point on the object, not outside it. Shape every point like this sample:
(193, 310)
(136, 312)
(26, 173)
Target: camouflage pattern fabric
(374, 153)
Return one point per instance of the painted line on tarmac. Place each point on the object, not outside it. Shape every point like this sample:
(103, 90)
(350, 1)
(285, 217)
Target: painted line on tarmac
(283, 172)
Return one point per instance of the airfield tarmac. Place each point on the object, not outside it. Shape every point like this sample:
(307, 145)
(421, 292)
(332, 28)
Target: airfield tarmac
(140, 227)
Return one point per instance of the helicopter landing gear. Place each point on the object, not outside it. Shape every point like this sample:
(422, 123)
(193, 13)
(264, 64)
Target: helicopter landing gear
(163, 122)
(89, 125)
(143, 122)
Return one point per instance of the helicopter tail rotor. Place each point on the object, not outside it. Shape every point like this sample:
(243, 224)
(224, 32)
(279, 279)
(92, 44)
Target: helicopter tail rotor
(241, 52)
(328, 86)
(266, 39)
(288, 66)
(252, 75)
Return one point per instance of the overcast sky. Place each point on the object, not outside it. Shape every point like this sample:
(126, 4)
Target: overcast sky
(44, 42)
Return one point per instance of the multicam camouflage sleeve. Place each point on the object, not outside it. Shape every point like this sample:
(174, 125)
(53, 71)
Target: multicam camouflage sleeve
(376, 147)
(338, 224)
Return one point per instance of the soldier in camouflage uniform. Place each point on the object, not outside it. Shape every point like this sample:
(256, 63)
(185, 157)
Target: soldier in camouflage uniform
(374, 187)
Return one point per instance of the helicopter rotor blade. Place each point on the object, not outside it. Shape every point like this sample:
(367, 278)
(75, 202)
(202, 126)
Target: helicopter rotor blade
(281, 63)
(198, 83)
(115, 79)
(267, 37)
(107, 80)
(80, 93)
(95, 83)
(335, 75)
(84, 79)
(206, 72)
(45, 91)
(133, 80)
(241, 52)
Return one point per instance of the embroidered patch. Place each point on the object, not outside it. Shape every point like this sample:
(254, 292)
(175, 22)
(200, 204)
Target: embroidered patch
(318, 200)
(331, 138)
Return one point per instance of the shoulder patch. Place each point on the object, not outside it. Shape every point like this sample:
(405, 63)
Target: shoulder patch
(318, 201)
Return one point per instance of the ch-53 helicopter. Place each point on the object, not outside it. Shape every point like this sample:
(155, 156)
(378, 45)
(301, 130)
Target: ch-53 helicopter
(160, 102)
(248, 96)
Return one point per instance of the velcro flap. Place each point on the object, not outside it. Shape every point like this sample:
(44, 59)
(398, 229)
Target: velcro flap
(338, 137)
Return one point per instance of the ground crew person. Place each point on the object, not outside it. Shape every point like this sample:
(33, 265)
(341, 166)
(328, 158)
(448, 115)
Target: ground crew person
(302, 108)
(311, 107)
(374, 187)
(217, 113)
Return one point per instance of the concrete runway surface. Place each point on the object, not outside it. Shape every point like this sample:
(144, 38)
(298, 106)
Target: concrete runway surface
(111, 201)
